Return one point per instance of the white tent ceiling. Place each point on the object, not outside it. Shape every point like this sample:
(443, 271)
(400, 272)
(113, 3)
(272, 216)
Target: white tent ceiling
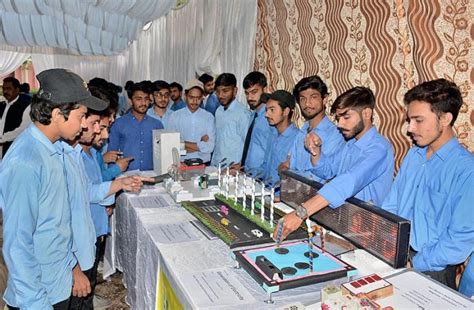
(83, 27)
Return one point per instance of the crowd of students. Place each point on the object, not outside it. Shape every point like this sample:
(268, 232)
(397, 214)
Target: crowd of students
(58, 180)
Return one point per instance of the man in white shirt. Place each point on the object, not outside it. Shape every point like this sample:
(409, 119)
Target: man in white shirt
(195, 125)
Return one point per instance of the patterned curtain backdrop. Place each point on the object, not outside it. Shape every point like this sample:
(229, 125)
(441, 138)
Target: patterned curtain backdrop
(389, 46)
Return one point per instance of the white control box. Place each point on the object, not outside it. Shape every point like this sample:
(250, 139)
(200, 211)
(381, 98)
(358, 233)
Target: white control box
(163, 143)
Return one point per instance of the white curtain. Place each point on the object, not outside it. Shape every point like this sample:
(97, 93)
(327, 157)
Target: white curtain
(10, 61)
(210, 36)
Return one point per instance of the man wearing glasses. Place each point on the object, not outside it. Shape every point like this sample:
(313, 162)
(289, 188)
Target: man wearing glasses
(161, 98)
(132, 133)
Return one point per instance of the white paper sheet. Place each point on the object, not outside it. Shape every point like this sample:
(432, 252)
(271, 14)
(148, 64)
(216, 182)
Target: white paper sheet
(173, 232)
(415, 291)
(216, 287)
(151, 201)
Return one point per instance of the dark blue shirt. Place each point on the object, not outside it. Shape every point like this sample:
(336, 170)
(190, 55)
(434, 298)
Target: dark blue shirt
(134, 138)
(178, 105)
(211, 103)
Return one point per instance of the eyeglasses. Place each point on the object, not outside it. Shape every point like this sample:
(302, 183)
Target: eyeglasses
(160, 95)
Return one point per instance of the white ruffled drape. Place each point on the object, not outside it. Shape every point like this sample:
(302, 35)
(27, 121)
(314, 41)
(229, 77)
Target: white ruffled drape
(10, 61)
(210, 36)
(84, 27)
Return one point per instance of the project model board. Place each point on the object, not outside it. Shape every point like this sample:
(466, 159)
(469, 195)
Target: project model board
(234, 228)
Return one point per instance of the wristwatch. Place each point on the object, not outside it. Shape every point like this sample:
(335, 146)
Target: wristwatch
(301, 212)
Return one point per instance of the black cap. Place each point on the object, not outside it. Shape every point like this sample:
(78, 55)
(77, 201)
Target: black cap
(62, 86)
(284, 97)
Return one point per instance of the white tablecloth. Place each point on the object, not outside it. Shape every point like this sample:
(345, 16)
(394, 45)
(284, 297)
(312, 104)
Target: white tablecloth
(138, 250)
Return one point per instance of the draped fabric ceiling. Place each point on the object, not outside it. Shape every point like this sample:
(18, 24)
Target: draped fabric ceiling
(83, 27)
(210, 36)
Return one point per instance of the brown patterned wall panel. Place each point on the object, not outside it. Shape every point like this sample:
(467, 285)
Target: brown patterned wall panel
(387, 45)
(338, 34)
(282, 13)
(307, 38)
(427, 46)
(385, 79)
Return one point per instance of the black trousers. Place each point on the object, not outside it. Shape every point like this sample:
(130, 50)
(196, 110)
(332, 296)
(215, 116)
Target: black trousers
(78, 303)
(62, 305)
(447, 276)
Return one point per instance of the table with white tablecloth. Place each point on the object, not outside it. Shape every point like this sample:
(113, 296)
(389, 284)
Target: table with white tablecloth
(160, 247)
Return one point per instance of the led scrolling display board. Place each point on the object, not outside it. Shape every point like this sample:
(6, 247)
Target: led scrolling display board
(381, 233)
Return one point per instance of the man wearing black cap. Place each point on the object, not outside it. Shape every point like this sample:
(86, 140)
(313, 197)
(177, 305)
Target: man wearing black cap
(280, 106)
(37, 245)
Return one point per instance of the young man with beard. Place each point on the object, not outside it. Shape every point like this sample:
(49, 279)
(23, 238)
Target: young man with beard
(177, 97)
(132, 133)
(161, 99)
(279, 109)
(195, 125)
(210, 102)
(38, 240)
(260, 131)
(311, 93)
(434, 187)
(363, 168)
(232, 122)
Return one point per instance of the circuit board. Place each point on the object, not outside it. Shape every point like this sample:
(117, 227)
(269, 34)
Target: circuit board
(234, 227)
(289, 266)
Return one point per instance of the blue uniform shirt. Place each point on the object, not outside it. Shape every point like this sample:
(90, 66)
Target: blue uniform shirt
(231, 129)
(211, 103)
(100, 217)
(437, 196)
(37, 236)
(178, 105)
(163, 119)
(278, 146)
(192, 127)
(332, 142)
(261, 132)
(134, 138)
(83, 231)
(363, 168)
(109, 173)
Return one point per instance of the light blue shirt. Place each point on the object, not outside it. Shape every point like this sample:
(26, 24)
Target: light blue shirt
(178, 105)
(231, 129)
(466, 286)
(363, 168)
(192, 127)
(134, 138)
(437, 196)
(83, 231)
(278, 146)
(37, 235)
(261, 132)
(163, 119)
(332, 142)
(99, 214)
